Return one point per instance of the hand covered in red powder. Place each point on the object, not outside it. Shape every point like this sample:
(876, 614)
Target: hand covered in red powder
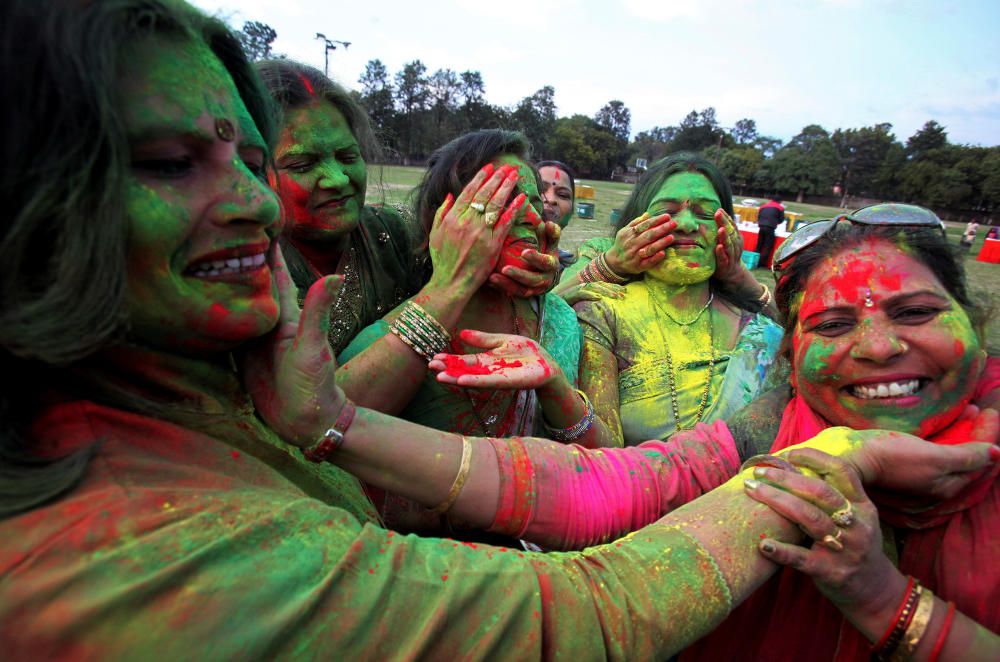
(510, 362)
(290, 372)
(531, 272)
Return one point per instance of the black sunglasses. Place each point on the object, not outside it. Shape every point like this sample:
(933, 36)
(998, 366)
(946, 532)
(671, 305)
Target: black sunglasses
(889, 214)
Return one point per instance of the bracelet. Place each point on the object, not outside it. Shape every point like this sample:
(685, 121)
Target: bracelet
(772, 461)
(890, 640)
(916, 628)
(764, 298)
(463, 473)
(588, 274)
(420, 331)
(607, 273)
(333, 439)
(578, 429)
(945, 631)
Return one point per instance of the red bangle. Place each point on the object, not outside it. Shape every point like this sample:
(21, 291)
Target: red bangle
(334, 437)
(895, 620)
(904, 615)
(945, 631)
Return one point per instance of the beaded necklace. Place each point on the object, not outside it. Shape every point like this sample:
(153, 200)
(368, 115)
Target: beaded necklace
(671, 377)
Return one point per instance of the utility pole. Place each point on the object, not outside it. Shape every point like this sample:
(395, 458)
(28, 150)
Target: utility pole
(329, 45)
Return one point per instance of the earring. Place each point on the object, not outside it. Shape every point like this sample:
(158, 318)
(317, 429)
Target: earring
(903, 347)
(868, 299)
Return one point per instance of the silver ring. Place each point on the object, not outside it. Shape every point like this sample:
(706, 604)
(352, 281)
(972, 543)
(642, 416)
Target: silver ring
(491, 218)
(478, 206)
(843, 517)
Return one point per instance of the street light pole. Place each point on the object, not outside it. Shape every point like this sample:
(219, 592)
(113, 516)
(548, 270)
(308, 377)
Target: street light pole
(329, 45)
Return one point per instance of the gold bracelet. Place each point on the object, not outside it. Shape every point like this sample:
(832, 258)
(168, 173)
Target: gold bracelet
(463, 473)
(917, 628)
(765, 298)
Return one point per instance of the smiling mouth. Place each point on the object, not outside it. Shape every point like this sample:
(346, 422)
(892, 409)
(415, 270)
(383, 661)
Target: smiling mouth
(334, 202)
(882, 390)
(228, 266)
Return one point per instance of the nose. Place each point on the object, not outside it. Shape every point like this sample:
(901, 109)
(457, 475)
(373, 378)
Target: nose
(247, 200)
(332, 175)
(686, 221)
(877, 344)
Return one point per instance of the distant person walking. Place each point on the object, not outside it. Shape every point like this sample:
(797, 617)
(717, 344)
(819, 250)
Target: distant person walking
(969, 236)
(771, 215)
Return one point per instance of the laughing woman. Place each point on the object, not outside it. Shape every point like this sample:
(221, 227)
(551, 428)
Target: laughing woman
(153, 501)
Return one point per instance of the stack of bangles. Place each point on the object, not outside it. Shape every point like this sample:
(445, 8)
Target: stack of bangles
(578, 429)
(764, 298)
(599, 270)
(900, 641)
(418, 329)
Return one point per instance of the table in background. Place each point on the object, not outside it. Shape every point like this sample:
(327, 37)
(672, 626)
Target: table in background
(749, 214)
(749, 233)
(990, 251)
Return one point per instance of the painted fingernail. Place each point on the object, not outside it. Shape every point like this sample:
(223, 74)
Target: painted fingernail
(487, 169)
(760, 472)
(750, 483)
(767, 547)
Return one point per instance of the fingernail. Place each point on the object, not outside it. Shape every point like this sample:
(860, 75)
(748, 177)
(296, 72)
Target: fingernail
(995, 453)
(488, 169)
(767, 547)
(760, 472)
(750, 483)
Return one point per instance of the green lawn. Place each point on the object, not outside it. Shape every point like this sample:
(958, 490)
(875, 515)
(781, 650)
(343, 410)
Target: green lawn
(394, 184)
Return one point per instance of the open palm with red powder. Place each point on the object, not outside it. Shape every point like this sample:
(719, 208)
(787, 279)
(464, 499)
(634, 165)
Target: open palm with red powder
(509, 362)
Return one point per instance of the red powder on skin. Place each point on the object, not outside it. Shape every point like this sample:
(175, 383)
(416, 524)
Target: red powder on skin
(307, 85)
(456, 367)
(959, 348)
(235, 454)
(693, 265)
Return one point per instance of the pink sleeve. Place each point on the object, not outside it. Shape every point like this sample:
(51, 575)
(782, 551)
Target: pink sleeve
(569, 497)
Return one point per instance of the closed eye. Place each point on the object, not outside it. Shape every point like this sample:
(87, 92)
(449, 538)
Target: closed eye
(165, 168)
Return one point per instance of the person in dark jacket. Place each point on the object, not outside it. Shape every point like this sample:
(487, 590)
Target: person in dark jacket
(771, 215)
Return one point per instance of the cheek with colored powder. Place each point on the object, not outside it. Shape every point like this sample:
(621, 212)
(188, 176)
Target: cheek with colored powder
(294, 199)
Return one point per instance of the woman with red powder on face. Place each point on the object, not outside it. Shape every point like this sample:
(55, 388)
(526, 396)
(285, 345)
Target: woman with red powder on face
(325, 144)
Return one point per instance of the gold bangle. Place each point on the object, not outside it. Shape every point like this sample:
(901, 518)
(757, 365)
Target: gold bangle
(463, 473)
(917, 628)
(764, 298)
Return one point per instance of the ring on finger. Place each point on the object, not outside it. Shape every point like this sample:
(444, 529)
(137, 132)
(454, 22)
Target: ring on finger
(635, 230)
(491, 218)
(833, 541)
(478, 206)
(843, 517)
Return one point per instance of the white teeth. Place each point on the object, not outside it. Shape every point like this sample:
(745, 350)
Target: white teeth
(233, 265)
(886, 390)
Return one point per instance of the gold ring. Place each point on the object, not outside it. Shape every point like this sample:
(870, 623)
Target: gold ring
(833, 542)
(635, 230)
(843, 517)
(491, 218)
(478, 206)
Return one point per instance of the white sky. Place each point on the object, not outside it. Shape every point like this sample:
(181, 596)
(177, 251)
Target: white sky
(837, 63)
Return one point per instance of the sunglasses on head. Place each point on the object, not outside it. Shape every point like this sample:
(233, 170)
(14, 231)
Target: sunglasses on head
(883, 214)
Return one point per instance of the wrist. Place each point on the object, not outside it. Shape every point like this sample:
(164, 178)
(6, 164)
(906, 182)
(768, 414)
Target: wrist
(617, 265)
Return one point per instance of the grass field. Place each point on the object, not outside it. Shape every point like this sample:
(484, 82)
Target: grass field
(395, 183)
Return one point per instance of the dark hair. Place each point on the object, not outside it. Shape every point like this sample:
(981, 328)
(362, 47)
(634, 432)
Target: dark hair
(653, 180)
(451, 167)
(928, 246)
(63, 238)
(293, 85)
(560, 166)
(777, 198)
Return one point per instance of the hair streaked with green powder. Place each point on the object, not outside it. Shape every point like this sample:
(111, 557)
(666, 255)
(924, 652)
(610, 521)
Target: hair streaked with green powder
(63, 237)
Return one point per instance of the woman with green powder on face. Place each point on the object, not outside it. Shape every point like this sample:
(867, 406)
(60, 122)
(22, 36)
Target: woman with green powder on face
(153, 502)
(323, 150)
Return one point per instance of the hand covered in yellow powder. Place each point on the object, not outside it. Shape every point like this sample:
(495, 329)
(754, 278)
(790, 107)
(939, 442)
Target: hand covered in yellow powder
(641, 244)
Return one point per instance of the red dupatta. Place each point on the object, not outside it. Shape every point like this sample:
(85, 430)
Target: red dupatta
(952, 547)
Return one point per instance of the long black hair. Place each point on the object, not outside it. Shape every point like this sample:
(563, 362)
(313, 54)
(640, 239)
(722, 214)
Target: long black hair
(63, 236)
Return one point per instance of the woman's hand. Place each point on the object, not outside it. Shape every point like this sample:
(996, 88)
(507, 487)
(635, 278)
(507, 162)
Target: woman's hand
(509, 362)
(544, 270)
(464, 244)
(728, 249)
(846, 559)
(592, 292)
(290, 372)
(899, 462)
(641, 244)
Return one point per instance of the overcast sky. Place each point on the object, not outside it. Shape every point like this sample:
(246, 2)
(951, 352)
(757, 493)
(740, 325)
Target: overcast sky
(837, 63)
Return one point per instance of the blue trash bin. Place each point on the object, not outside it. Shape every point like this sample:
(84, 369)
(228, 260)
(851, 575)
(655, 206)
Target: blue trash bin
(750, 259)
(585, 209)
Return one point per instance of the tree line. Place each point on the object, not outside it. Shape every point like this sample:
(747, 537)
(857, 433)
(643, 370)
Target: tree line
(415, 111)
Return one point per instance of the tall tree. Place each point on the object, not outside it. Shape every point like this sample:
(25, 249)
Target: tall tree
(256, 38)
(616, 118)
(580, 142)
(412, 98)
(807, 164)
(535, 116)
(697, 131)
(472, 88)
(745, 131)
(376, 96)
(930, 137)
(861, 153)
